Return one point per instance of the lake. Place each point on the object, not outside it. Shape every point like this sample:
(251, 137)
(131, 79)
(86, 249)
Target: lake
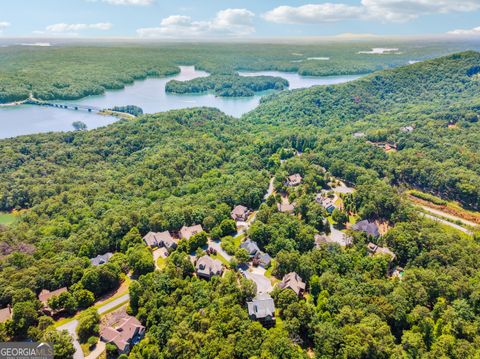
(148, 94)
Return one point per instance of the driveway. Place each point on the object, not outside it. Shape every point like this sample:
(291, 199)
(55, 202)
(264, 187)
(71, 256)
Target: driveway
(99, 349)
(157, 253)
(218, 247)
(71, 327)
(337, 236)
(263, 283)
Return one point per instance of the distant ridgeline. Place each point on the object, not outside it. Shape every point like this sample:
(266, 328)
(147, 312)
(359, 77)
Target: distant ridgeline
(228, 85)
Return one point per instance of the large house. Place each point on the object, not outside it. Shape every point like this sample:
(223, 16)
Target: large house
(187, 232)
(262, 308)
(125, 335)
(251, 247)
(160, 239)
(370, 228)
(326, 203)
(294, 282)
(374, 249)
(207, 267)
(240, 213)
(45, 295)
(101, 259)
(294, 180)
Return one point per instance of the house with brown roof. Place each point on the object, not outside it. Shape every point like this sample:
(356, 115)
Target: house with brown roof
(160, 239)
(294, 180)
(240, 213)
(294, 282)
(5, 314)
(187, 232)
(128, 333)
(45, 295)
(207, 267)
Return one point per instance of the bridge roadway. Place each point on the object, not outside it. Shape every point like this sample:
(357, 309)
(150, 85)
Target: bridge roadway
(64, 106)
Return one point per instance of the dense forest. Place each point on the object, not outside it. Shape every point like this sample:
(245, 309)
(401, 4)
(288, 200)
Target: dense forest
(227, 85)
(87, 192)
(57, 73)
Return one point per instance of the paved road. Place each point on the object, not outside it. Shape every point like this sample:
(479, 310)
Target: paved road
(270, 188)
(453, 225)
(448, 215)
(71, 326)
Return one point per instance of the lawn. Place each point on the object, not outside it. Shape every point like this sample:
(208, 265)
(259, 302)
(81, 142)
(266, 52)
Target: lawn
(7, 218)
(161, 263)
(221, 259)
(85, 349)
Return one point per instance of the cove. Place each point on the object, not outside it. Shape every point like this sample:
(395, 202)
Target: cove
(149, 94)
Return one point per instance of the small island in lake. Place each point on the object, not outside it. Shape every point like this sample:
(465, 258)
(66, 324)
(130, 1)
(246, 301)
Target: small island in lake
(232, 85)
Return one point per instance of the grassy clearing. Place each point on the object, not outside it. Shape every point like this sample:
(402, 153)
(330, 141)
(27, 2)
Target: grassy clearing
(7, 218)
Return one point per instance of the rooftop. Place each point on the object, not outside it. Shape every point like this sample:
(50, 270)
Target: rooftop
(187, 232)
(262, 306)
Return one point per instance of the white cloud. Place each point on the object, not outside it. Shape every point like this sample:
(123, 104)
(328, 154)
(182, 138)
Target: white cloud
(63, 27)
(474, 31)
(314, 13)
(229, 22)
(405, 10)
(126, 2)
(383, 10)
(3, 25)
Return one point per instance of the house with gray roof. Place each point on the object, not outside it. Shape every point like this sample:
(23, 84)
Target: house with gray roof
(262, 308)
(207, 267)
(294, 282)
(160, 239)
(263, 259)
(370, 228)
(251, 247)
(101, 259)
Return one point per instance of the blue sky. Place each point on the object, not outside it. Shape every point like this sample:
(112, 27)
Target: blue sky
(203, 19)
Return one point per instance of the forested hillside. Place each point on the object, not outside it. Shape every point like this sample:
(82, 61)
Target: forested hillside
(439, 98)
(67, 72)
(85, 193)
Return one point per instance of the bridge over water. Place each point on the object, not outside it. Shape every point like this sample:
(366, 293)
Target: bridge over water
(64, 106)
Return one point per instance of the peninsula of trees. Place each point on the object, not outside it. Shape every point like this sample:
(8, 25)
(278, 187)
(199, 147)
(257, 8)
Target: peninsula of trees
(228, 85)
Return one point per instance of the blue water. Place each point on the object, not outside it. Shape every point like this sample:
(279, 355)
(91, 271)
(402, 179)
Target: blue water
(148, 94)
